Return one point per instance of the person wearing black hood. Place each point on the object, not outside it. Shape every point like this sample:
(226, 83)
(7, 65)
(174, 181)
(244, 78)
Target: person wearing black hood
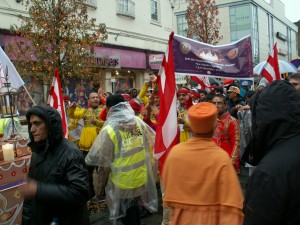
(273, 189)
(57, 186)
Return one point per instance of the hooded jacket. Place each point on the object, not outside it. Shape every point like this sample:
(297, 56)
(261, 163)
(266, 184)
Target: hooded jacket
(273, 191)
(59, 169)
(125, 142)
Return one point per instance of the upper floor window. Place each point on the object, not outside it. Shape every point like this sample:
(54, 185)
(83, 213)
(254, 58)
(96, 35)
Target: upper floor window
(126, 8)
(154, 9)
(91, 3)
(181, 25)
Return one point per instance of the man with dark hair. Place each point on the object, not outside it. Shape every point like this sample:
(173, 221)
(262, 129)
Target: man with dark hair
(295, 81)
(58, 182)
(235, 101)
(133, 92)
(227, 131)
(122, 154)
(203, 94)
(272, 195)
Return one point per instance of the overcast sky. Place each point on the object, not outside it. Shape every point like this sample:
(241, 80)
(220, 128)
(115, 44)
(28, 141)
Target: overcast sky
(292, 8)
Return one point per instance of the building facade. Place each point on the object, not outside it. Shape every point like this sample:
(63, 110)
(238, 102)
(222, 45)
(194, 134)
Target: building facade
(265, 22)
(138, 32)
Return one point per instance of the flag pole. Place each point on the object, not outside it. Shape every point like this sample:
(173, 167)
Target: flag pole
(29, 95)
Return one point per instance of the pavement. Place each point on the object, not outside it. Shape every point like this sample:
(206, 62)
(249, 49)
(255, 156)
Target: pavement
(102, 218)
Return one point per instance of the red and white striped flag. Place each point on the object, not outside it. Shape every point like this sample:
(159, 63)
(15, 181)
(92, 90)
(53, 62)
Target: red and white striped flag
(56, 100)
(202, 80)
(271, 69)
(166, 131)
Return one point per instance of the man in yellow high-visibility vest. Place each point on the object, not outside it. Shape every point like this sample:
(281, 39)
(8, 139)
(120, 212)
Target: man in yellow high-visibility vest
(121, 152)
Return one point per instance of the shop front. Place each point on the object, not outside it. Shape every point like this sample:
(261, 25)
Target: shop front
(117, 68)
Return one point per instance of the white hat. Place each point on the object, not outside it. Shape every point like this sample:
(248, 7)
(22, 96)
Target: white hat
(244, 83)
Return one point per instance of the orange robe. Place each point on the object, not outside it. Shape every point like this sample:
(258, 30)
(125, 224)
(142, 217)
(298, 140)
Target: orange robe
(201, 185)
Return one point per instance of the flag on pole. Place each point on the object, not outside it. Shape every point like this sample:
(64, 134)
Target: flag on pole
(56, 100)
(166, 131)
(271, 69)
(13, 75)
(202, 80)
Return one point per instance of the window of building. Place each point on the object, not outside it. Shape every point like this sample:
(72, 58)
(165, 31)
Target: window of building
(271, 31)
(154, 10)
(289, 43)
(243, 22)
(254, 35)
(122, 80)
(181, 25)
(126, 8)
(240, 22)
(123, 5)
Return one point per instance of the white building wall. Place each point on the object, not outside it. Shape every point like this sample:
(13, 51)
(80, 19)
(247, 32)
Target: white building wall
(139, 32)
(9, 10)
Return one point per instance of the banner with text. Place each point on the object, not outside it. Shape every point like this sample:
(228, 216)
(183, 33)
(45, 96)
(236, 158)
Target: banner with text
(231, 60)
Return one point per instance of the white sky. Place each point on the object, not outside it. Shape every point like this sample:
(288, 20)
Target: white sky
(292, 8)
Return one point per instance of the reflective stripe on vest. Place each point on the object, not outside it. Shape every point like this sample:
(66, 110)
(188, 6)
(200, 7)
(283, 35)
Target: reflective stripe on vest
(129, 168)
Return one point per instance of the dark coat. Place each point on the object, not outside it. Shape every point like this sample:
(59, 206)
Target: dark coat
(59, 169)
(273, 190)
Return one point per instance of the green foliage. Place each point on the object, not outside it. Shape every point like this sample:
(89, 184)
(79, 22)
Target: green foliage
(203, 24)
(56, 34)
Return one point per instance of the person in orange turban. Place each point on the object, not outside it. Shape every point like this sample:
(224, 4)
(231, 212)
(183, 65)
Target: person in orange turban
(200, 184)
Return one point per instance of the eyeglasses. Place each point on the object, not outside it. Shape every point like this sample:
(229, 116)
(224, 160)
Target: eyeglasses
(218, 103)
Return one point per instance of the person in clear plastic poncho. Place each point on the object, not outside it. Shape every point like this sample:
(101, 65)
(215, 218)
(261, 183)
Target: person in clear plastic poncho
(122, 152)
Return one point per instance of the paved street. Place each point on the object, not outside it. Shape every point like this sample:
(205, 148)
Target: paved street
(156, 218)
(102, 218)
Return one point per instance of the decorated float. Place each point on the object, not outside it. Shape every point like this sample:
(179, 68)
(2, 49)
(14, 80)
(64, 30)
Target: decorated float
(14, 157)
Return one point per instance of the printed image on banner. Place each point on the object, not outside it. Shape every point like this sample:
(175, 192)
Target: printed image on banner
(231, 60)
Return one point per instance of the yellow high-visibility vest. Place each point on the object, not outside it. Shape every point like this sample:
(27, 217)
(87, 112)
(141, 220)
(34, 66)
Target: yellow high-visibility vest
(3, 123)
(129, 169)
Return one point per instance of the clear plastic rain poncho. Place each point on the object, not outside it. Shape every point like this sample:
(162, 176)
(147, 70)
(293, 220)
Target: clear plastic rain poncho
(245, 121)
(125, 146)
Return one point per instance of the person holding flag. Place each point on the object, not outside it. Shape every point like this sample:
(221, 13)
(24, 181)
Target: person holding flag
(91, 128)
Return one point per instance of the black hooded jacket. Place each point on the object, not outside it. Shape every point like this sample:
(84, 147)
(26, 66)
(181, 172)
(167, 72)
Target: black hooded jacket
(273, 191)
(59, 169)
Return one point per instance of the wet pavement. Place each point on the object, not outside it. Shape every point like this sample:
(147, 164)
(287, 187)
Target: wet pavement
(102, 218)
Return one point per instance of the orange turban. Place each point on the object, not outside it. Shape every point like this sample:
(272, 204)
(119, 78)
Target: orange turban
(202, 117)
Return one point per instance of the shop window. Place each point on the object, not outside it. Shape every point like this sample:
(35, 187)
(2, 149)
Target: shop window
(123, 80)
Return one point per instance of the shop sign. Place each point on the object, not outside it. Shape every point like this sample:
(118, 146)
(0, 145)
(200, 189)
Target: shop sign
(156, 58)
(108, 61)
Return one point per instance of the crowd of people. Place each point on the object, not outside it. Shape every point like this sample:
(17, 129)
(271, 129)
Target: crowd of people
(219, 130)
